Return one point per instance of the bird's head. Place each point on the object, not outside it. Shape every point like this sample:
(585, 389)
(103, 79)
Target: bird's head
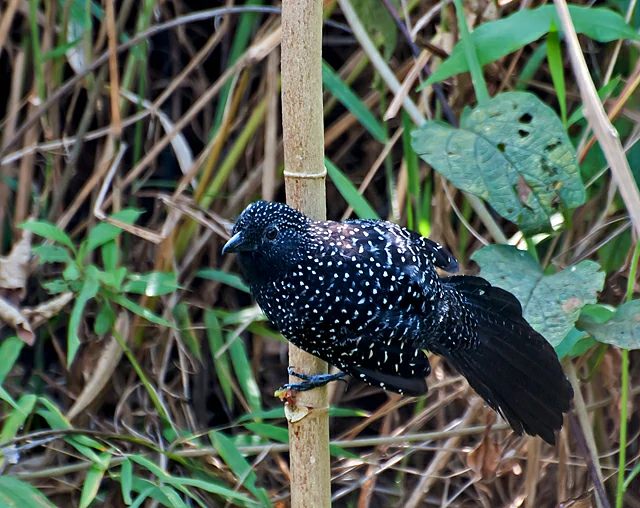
(266, 236)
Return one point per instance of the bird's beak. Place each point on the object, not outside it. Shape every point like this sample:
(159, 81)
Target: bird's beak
(235, 244)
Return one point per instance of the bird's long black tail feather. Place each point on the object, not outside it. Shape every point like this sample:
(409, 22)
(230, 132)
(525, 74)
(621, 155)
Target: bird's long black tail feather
(511, 366)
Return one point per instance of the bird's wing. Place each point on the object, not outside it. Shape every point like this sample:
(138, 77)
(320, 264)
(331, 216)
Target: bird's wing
(433, 251)
(385, 361)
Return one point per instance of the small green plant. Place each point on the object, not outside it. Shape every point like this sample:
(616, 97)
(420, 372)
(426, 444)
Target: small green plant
(108, 285)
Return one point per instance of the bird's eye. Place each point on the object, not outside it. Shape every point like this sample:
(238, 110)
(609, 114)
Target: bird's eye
(271, 232)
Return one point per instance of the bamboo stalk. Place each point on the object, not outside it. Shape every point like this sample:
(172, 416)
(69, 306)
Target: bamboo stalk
(305, 174)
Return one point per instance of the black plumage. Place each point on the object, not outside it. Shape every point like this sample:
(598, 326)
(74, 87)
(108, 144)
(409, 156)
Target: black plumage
(364, 295)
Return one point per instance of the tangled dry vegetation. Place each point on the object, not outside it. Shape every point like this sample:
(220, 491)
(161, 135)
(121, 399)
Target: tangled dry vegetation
(134, 366)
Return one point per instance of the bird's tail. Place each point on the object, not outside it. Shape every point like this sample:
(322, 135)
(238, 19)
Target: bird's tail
(511, 366)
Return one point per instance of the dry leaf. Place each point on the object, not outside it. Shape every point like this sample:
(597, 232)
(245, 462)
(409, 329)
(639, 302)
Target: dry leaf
(14, 268)
(48, 309)
(16, 319)
(104, 368)
(584, 501)
(485, 458)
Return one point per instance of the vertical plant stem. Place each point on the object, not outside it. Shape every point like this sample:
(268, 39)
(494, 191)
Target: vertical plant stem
(305, 174)
(624, 389)
(622, 453)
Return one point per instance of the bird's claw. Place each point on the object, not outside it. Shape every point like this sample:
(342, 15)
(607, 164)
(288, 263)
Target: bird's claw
(311, 381)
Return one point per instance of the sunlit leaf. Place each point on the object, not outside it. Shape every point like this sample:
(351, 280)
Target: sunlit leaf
(513, 152)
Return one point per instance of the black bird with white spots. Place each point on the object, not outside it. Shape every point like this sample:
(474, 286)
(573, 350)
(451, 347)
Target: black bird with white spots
(364, 295)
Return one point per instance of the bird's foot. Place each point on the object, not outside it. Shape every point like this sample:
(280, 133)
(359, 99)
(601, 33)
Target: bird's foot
(311, 382)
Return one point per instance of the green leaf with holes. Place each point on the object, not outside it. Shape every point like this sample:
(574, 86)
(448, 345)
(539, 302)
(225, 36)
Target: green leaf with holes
(550, 303)
(511, 151)
(622, 330)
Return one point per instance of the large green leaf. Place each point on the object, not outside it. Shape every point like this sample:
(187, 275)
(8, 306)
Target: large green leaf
(496, 39)
(550, 303)
(622, 330)
(511, 151)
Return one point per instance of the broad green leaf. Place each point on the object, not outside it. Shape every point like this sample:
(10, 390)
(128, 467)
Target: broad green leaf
(570, 344)
(229, 279)
(378, 22)
(16, 419)
(48, 231)
(185, 328)
(352, 102)
(622, 330)
(152, 283)
(51, 254)
(513, 152)
(17, 493)
(89, 290)
(126, 480)
(104, 232)
(238, 465)
(140, 311)
(93, 480)
(349, 192)
(598, 312)
(551, 303)
(496, 39)
(221, 364)
(105, 319)
(9, 351)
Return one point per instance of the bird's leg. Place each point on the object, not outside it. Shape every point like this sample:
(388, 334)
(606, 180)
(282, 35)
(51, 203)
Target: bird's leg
(310, 382)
